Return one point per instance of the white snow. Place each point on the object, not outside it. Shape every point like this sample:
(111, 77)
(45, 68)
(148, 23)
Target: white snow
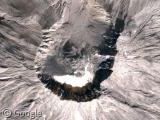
(2, 70)
(76, 81)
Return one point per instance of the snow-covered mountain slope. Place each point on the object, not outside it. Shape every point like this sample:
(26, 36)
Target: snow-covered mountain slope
(80, 60)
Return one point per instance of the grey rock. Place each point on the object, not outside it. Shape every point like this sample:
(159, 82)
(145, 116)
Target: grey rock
(41, 39)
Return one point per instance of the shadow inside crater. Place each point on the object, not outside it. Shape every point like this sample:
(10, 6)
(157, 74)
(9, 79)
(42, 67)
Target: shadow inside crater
(91, 90)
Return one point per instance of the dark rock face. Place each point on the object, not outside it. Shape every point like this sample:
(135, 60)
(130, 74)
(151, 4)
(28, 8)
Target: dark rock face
(85, 60)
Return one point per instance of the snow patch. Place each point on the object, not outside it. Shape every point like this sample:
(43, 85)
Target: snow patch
(76, 81)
